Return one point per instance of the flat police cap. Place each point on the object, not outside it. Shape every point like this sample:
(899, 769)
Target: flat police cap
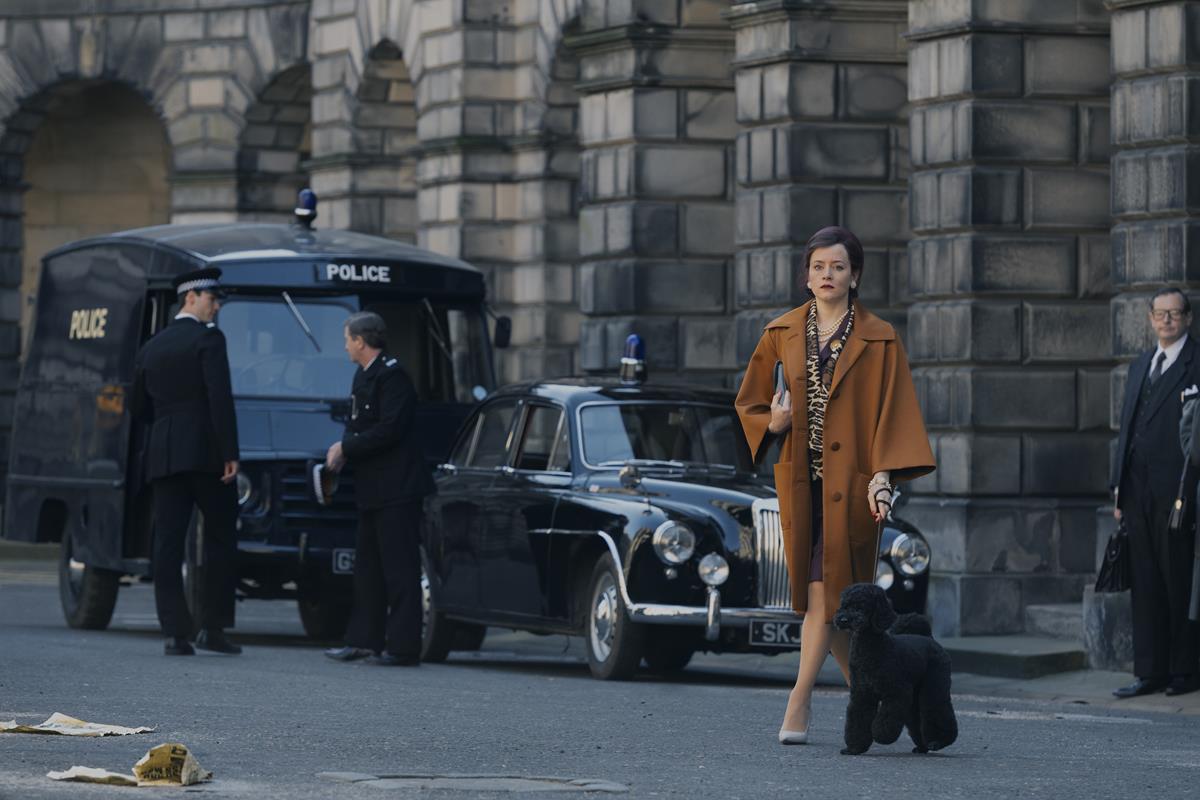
(200, 280)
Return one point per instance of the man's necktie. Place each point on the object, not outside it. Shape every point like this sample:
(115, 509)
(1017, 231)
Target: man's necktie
(1156, 373)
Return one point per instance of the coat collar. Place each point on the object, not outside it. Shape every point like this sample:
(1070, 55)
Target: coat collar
(867, 326)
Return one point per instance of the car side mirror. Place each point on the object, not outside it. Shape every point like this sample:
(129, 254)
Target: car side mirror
(447, 469)
(502, 336)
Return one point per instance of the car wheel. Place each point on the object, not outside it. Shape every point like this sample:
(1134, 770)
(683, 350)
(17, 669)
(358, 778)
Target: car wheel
(614, 643)
(438, 634)
(669, 650)
(324, 612)
(88, 594)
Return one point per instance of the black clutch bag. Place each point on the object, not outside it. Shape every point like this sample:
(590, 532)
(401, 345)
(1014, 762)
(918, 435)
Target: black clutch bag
(1114, 569)
(780, 379)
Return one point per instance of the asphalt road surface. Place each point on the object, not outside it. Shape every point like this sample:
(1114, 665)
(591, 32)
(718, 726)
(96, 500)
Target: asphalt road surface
(270, 722)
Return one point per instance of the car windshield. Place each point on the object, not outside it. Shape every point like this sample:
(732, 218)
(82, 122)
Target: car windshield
(443, 348)
(666, 434)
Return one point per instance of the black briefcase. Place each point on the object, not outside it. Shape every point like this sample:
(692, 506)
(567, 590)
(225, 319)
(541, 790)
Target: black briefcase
(1114, 569)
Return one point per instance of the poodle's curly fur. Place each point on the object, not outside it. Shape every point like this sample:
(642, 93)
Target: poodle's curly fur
(898, 675)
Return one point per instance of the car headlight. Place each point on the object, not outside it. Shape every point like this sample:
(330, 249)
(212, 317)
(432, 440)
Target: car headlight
(910, 554)
(674, 542)
(245, 490)
(884, 575)
(714, 569)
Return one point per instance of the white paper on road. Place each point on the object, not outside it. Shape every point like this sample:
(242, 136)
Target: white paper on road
(170, 764)
(69, 726)
(93, 775)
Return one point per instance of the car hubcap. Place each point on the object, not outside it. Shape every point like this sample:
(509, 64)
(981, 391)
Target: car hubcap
(604, 618)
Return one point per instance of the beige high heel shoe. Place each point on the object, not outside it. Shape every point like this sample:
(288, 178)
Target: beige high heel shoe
(797, 737)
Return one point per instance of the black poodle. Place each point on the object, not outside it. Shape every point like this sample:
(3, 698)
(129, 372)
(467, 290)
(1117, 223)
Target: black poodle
(898, 675)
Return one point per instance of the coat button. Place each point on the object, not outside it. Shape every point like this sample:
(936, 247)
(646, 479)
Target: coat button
(837, 497)
(835, 446)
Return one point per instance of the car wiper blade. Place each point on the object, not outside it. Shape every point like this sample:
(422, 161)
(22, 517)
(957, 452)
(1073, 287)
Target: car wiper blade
(434, 327)
(300, 319)
(642, 462)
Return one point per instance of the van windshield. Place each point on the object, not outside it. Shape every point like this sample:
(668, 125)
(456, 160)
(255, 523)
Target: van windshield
(444, 348)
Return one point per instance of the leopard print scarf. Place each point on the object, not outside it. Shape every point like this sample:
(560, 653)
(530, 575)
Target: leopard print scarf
(817, 386)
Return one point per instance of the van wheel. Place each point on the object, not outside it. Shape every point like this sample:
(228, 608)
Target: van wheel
(669, 650)
(438, 634)
(323, 614)
(88, 594)
(614, 643)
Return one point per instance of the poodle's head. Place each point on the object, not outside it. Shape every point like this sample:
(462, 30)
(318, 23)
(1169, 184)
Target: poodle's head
(864, 606)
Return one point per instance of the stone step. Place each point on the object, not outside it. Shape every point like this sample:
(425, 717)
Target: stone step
(1055, 620)
(1017, 656)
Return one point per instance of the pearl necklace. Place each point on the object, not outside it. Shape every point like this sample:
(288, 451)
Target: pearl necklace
(825, 333)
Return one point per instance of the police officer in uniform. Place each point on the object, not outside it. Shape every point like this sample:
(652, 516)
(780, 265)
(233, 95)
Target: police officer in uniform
(182, 390)
(391, 482)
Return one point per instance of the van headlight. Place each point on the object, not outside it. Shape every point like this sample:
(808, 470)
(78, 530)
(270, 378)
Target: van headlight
(910, 554)
(245, 490)
(674, 542)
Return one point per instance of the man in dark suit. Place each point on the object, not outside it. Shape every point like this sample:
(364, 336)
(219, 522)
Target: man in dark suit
(182, 389)
(391, 482)
(1146, 475)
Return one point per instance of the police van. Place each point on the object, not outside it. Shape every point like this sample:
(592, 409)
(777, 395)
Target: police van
(75, 467)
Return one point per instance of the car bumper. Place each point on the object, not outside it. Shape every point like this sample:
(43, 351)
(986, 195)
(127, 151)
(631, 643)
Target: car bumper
(711, 616)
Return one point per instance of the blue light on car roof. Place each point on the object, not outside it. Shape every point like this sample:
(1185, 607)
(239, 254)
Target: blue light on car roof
(633, 361)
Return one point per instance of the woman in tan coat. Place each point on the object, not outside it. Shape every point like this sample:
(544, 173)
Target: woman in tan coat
(858, 430)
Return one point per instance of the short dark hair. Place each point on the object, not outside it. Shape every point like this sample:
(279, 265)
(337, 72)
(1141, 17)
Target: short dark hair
(828, 237)
(1166, 290)
(368, 326)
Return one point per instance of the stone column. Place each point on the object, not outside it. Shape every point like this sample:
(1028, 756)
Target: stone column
(656, 223)
(821, 94)
(1009, 268)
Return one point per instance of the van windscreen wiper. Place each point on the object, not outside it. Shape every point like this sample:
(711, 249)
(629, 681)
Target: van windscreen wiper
(300, 319)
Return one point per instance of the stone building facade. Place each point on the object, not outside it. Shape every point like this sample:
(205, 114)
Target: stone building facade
(656, 165)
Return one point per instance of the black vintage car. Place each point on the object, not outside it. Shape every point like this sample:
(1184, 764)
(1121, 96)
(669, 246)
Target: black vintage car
(626, 513)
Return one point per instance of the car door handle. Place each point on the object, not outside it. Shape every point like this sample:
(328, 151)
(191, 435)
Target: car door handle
(506, 470)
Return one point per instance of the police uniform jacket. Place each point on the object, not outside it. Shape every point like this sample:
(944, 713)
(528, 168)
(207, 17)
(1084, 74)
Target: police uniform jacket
(182, 389)
(380, 441)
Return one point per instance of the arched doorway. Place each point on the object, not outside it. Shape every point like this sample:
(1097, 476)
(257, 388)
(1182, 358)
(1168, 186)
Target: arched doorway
(96, 162)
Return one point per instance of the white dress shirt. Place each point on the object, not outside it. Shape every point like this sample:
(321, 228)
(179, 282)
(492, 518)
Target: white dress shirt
(1172, 355)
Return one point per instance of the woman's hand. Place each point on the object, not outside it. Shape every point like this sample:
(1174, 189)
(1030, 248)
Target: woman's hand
(781, 412)
(879, 496)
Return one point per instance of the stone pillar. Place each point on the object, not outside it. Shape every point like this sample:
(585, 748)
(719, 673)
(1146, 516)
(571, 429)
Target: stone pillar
(1009, 269)
(821, 94)
(656, 224)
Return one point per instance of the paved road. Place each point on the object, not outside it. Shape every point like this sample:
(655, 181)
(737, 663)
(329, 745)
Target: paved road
(269, 721)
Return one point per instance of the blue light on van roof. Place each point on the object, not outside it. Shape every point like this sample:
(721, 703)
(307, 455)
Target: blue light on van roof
(307, 201)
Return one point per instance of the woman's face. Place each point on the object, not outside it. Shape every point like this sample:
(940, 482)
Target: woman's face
(829, 274)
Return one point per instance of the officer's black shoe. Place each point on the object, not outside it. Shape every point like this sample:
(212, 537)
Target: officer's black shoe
(178, 646)
(1141, 686)
(393, 660)
(1183, 684)
(215, 641)
(347, 653)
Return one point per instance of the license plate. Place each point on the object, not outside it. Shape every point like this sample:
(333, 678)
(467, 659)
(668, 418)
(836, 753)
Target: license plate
(772, 633)
(343, 561)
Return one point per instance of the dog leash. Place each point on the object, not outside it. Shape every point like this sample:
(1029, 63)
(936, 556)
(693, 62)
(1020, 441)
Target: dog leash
(887, 499)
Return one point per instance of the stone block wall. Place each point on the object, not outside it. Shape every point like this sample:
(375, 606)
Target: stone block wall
(1009, 273)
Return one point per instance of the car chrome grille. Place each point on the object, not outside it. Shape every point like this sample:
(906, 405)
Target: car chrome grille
(774, 588)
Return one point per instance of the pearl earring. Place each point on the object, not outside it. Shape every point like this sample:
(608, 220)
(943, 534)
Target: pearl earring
(853, 285)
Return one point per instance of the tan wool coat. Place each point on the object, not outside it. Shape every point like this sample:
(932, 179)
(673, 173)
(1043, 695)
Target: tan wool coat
(872, 424)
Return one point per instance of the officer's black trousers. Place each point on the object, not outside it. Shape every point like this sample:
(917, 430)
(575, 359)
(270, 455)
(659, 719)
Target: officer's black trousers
(1165, 642)
(387, 581)
(174, 497)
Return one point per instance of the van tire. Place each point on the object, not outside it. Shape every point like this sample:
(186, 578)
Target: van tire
(324, 616)
(88, 594)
